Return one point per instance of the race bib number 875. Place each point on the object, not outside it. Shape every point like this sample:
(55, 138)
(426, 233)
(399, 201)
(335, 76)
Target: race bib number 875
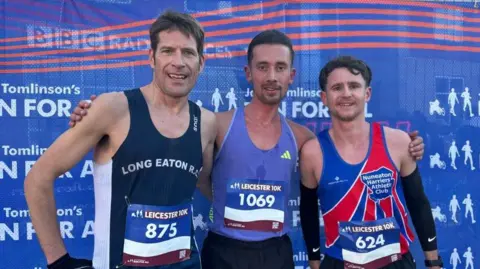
(254, 205)
(157, 235)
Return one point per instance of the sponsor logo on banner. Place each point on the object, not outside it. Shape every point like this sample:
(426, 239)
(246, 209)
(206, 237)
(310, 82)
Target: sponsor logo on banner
(17, 225)
(227, 99)
(41, 36)
(34, 106)
(11, 167)
(306, 108)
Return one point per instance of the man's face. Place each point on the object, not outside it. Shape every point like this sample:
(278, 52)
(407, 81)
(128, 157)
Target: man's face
(270, 72)
(176, 63)
(346, 94)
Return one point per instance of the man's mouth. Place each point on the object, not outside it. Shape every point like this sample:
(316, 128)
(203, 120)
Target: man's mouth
(346, 104)
(271, 88)
(177, 76)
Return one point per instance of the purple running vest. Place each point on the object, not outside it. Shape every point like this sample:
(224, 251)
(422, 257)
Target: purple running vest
(251, 186)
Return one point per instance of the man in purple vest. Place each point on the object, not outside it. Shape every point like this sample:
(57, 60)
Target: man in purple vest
(255, 158)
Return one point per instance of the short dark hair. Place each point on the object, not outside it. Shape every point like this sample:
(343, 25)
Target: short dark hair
(270, 37)
(354, 65)
(185, 23)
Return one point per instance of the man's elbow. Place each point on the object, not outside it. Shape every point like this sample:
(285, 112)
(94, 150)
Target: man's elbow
(38, 178)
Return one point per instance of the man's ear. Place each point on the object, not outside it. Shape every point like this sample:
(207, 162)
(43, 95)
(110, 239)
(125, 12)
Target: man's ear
(151, 58)
(292, 75)
(248, 72)
(202, 63)
(368, 94)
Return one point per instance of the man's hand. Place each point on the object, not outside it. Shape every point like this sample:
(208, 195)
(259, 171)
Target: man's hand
(80, 111)
(67, 262)
(416, 147)
(314, 264)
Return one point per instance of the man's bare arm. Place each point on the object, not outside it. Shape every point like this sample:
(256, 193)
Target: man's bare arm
(209, 129)
(311, 162)
(61, 156)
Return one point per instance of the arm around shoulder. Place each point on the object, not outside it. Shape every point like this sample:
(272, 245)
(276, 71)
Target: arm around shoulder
(67, 150)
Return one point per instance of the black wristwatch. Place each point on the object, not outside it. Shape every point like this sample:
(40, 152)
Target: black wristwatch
(431, 263)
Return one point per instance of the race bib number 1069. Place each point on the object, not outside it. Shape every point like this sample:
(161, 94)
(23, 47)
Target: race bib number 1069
(254, 205)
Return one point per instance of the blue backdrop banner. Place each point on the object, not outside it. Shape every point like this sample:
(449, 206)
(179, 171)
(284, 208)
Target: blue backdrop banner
(425, 58)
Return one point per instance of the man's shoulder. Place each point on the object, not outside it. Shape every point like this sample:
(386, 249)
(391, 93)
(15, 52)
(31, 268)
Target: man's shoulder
(302, 134)
(225, 116)
(311, 149)
(396, 138)
(398, 135)
(111, 102)
(208, 117)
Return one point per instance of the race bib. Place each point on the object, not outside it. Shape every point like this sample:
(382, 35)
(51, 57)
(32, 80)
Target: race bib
(370, 244)
(251, 205)
(157, 235)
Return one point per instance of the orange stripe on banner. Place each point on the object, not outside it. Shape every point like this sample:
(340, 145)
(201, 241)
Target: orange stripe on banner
(246, 41)
(356, 11)
(77, 59)
(280, 25)
(75, 68)
(299, 24)
(359, 45)
(237, 8)
(267, 4)
(148, 22)
(265, 16)
(404, 3)
(397, 34)
(356, 45)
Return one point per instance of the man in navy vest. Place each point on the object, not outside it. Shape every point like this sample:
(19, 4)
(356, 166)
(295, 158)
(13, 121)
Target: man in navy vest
(151, 144)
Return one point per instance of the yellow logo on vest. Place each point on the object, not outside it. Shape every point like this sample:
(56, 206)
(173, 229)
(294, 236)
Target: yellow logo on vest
(286, 155)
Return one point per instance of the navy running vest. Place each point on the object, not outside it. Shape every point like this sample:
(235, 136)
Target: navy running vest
(143, 195)
(251, 186)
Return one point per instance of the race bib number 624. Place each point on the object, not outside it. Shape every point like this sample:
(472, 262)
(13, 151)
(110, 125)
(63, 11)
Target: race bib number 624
(370, 244)
(254, 205)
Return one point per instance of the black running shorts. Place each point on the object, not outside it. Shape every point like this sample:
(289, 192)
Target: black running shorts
(219, 252)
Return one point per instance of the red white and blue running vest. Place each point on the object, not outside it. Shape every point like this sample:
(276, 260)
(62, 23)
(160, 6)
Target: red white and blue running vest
(363, 206)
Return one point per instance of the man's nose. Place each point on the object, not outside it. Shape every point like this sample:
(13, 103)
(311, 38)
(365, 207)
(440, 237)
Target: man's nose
(271, 75)
(177, 59)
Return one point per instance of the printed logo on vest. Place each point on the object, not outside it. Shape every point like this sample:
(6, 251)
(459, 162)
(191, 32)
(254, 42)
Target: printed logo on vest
(195, 123)
(379, 183)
